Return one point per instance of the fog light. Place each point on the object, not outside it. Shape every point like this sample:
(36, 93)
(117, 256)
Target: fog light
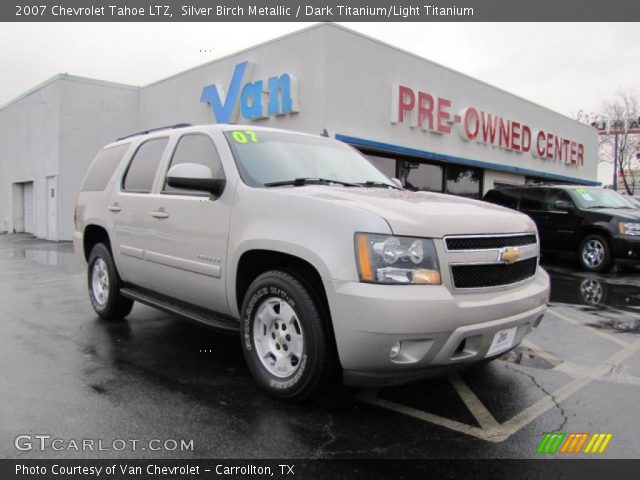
(395, 350)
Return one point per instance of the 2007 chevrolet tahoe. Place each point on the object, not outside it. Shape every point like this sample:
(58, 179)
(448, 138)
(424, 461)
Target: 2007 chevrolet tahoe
(317, 259)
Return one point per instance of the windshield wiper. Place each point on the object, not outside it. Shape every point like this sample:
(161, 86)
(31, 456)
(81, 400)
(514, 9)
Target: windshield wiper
(371, 183)
(299, 182)
(599, 206)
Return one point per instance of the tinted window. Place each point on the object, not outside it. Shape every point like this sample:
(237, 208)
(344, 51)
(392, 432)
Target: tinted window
(506, 198)
(199, 149)
(102, 168)
(142, 169)
(532, 199)
(463, 181)
(422, 176)
(554, 195)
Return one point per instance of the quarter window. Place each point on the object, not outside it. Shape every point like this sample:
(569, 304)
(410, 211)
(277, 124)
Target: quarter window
(195, 148)
(143, 166)
(103, 167)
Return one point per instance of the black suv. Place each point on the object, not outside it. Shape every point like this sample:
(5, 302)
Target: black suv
(598, 224)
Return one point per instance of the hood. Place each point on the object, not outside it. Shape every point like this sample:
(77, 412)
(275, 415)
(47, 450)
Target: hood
(624, 214)
(423, 214)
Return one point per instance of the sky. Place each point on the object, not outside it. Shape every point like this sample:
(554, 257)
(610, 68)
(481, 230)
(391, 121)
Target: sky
(566, 67)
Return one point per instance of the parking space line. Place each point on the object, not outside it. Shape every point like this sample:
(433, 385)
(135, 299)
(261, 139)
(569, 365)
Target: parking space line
(371, 397)
(573, 321)
(528, 415)
(59, 279)
(499, 432)
(473, 403)
(542, 353)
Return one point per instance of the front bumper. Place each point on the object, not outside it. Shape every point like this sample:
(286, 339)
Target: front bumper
(626, 247)
(438, 330)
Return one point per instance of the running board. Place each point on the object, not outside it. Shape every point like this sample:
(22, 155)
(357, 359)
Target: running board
(216, 321)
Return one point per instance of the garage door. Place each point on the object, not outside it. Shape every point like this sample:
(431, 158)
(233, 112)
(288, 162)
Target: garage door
(29, 208)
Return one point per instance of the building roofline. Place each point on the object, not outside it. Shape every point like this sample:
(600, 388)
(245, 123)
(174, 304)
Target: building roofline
(65, 76)
(374, 40)
(69, 78)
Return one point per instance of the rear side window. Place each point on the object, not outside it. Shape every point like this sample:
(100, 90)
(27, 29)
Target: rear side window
(506, 198)
(143, 166)
(532, 199)
(195, 148)
(102, 168)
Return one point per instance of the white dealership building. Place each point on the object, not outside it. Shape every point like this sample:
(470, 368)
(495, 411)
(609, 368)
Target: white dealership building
(434, 128)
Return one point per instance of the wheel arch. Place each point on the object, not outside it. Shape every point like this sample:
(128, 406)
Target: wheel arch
(254, 262)
(92, 235)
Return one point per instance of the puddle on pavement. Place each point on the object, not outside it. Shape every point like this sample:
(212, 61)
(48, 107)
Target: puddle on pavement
(621, 325)
(594, 293)
(47, 257)
(529, 358)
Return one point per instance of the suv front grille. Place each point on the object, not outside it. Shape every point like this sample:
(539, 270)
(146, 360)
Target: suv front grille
(493, 275)
(486, 243)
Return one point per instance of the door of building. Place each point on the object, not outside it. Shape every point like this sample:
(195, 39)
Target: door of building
(28, 203)
(52, 210)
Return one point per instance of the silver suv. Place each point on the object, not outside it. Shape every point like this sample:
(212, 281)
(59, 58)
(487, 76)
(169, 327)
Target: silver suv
(315, 258)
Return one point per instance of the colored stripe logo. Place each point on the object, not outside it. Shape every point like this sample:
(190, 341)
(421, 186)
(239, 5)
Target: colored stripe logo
(561, 442)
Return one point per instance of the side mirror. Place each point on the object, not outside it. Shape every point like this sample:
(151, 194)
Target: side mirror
(562, 205)
(193, 176)
(397, 182)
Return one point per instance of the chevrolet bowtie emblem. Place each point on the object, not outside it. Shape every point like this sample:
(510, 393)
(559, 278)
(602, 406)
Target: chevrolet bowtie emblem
(509, 255)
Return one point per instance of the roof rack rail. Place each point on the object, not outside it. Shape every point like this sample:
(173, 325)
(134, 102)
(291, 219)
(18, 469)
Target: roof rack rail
(144, 132)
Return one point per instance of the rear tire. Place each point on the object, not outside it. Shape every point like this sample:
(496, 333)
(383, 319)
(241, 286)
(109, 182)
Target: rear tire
(595, 254)
(104, 285)
(286, 343)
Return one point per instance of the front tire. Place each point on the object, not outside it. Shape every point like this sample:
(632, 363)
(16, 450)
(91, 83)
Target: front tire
(104, 285)
(286, 342)
(595, 254)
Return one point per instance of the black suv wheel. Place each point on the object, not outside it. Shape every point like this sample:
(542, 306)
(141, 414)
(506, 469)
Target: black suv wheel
(595, 254)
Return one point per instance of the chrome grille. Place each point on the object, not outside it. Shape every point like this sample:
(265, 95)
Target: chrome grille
(488, 242)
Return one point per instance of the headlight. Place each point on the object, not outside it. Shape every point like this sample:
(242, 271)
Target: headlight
(629, 228)
(397, 260)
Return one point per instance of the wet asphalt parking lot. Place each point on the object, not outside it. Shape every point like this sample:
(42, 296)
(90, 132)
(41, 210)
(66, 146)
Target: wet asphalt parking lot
(68, 374)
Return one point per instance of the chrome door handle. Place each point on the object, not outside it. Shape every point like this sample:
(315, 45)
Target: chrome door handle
(114, 208)
(160, 213)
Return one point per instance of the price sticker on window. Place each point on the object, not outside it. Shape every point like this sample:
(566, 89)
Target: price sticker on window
(244, 136)
(583, 193)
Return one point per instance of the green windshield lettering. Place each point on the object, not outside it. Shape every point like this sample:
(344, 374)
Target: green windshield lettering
(244, 137)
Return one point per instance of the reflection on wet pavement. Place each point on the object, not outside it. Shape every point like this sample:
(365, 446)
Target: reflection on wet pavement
(625, 326)
(619, 290)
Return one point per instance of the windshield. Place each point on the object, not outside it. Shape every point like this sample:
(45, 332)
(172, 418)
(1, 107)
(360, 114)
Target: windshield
(265, 157)
(599, 198)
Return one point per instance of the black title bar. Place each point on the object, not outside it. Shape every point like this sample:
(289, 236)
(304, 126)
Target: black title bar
(315, 11)
(121, 469)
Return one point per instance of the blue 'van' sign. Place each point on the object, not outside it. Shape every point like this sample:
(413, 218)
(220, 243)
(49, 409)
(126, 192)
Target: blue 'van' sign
(254, 100)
